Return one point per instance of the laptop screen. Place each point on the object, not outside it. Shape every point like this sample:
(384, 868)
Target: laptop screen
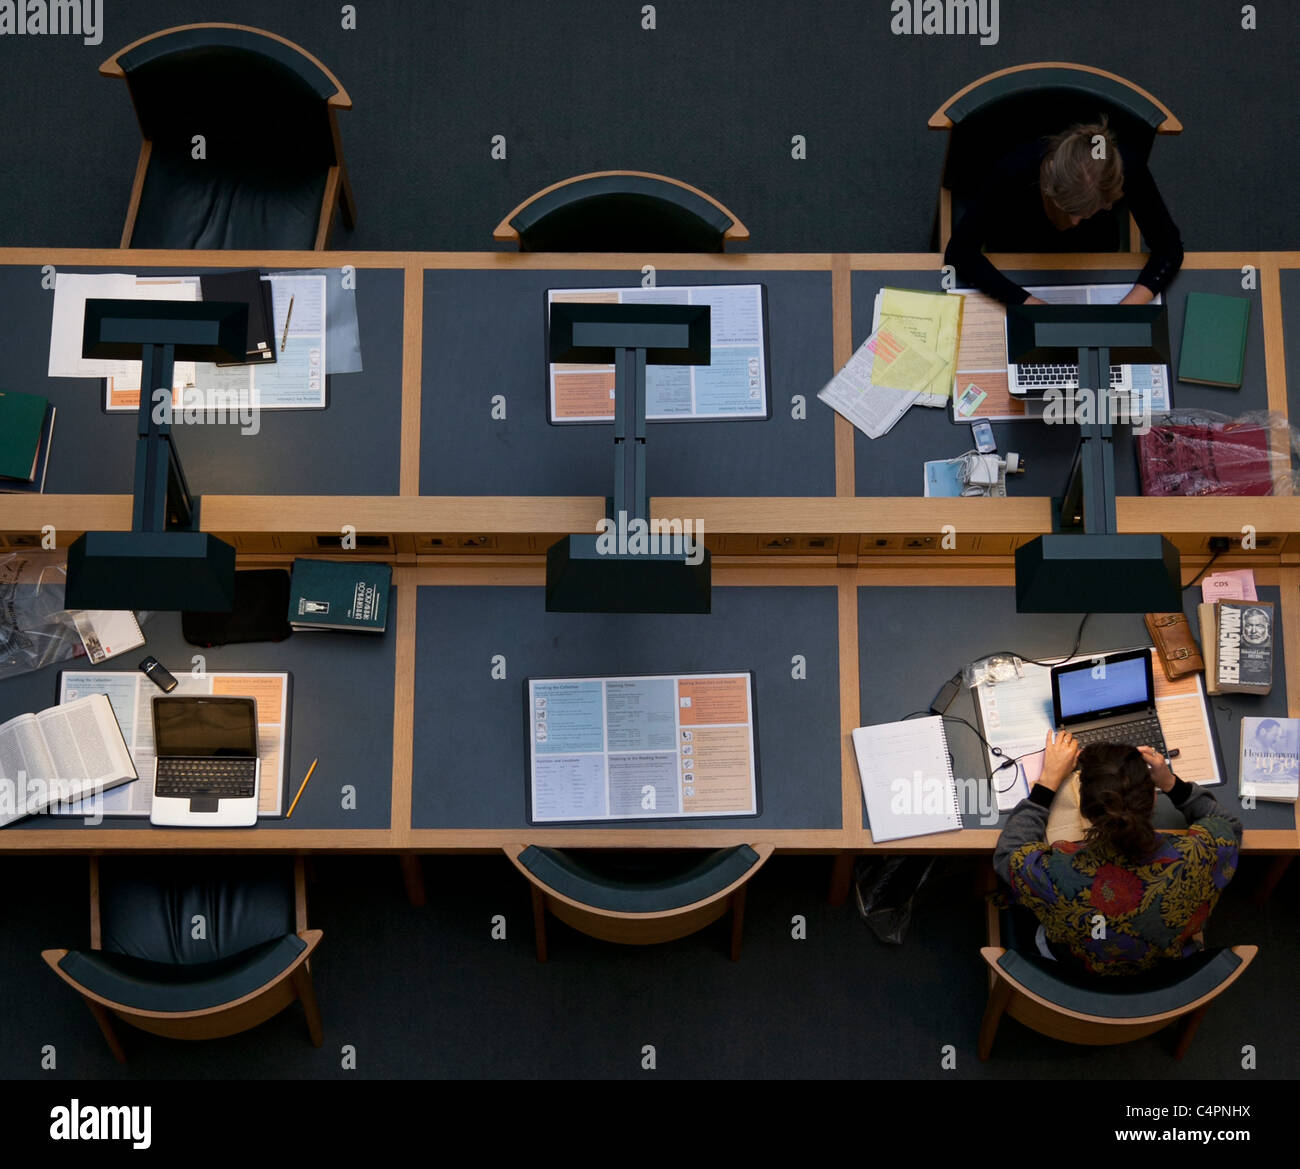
(1123, 685)
(205, 728)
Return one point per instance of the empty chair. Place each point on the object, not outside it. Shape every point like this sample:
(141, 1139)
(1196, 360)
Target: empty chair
(241, 143)
(620, 211)
(638, 897)
(193, 947)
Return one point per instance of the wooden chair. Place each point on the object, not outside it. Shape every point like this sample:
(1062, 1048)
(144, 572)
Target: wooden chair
(638, 897)
(987, 117)
(1107, 1011)
(620, 211)
(144, 967)
(272, 174)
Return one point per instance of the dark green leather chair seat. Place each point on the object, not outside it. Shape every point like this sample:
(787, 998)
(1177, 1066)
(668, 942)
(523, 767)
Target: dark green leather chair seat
(633, 881)
(620, 213)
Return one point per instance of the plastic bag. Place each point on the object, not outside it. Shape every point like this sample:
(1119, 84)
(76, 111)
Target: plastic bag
(1201, 452)
(885, 888)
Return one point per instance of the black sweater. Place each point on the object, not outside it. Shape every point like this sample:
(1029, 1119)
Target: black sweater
(1008, 214)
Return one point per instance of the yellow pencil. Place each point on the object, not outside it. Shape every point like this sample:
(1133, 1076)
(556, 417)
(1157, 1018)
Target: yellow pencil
(300, 790)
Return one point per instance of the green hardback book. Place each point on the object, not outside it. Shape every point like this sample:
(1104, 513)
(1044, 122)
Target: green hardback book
(1214, 339)
(21, 418)
(339, 594)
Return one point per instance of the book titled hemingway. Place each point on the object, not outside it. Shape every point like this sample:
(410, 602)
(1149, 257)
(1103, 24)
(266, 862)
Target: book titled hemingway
(339, 594)
(1270, 759)
(1244, 647)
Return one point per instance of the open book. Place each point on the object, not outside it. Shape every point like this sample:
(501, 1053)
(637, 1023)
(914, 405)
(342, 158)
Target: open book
(59, 756)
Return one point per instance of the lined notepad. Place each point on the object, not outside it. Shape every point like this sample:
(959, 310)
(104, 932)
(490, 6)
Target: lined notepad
(907, 779)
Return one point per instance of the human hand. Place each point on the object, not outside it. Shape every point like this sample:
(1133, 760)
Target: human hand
(1033, 300)
(1059, 757)
(1164, 778)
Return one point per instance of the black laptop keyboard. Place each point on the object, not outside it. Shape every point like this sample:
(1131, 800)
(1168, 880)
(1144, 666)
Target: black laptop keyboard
(1145, 733)
(227, 779)
(1039, 375)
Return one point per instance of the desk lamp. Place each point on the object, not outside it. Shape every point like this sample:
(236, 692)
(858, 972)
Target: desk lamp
(164, 561)
(1085, 565)
(580, 576)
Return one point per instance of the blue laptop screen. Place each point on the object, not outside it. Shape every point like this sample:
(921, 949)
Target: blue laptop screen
(1124, 684)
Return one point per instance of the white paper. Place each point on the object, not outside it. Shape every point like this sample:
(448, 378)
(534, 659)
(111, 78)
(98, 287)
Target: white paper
(872, 409)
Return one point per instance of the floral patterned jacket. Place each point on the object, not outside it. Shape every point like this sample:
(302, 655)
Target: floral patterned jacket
(1149, 910)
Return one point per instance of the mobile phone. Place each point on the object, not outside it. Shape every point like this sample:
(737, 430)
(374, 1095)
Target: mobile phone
(982, 430)
(157, 674)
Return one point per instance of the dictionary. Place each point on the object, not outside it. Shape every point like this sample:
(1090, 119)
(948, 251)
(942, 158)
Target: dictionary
(1244, 647)
(1270, 759)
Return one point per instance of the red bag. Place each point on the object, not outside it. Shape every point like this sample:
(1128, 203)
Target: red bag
(1232, 459)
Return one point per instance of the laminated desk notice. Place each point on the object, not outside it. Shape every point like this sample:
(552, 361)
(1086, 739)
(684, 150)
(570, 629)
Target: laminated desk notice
(641, 747)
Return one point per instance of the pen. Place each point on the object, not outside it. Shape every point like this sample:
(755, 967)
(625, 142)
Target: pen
(302, 788)
(287, 314)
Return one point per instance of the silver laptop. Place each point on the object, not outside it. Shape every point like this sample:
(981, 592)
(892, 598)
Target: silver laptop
(207, 773)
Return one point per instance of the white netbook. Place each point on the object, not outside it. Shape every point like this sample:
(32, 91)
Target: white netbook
(207, 773)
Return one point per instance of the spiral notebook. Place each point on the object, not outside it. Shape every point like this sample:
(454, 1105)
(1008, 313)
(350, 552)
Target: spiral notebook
(907, 779)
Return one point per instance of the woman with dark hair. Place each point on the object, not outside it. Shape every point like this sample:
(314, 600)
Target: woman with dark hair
(1126, 897)
(1044, 196)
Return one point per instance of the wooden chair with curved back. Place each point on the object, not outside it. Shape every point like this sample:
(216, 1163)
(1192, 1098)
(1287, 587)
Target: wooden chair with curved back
(620, 211)
(147, 967)
(986, 118)
(638, 897)
(1108, 1010)
(241, 144)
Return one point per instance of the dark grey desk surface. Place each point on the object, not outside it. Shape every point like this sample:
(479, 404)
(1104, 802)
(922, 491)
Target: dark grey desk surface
(470, 759)
(484, 335)
(893, 465)
(957, 625)
(350, 448)
(342, 712)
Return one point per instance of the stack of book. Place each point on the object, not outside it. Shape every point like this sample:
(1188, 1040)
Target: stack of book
(1236, 643)
(26, 427)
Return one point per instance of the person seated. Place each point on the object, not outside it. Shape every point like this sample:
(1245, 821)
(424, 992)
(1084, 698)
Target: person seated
(1045, 196)
(1153, 891)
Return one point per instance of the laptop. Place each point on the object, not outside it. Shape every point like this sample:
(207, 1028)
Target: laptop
(1108, 700)
(207, 773)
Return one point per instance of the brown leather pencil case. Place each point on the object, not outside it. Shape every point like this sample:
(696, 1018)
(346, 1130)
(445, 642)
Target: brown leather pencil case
(1172, 636)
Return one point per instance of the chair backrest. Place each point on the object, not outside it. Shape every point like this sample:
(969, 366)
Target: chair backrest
(993, 114)
(250, 93)
(620, 211)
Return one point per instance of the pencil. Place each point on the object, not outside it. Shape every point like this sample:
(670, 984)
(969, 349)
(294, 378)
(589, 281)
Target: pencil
(302, 788)
(288, 313)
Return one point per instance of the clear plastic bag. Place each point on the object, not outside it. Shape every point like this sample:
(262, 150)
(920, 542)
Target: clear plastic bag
(1202, 452)
(885, 888)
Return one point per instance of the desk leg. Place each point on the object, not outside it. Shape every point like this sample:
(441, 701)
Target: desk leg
(105, 1021)
(1277, 867)
(413, 879)
(841, 878)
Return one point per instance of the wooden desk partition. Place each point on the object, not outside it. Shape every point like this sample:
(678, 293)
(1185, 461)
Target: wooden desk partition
(814, 524)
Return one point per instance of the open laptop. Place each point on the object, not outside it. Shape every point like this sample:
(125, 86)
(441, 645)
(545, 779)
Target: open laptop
(1110, 699)
(207, 773)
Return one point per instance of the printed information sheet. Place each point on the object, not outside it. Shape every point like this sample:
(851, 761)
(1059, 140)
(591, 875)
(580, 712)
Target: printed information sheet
(131, 695)
(642, 747)
(733, 385)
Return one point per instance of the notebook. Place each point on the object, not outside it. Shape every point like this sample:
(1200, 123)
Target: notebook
(907, 779)
(1213, 351)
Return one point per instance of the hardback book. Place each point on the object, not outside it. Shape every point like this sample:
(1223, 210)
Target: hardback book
(339, 594)
(247, 287)
(1244, 648)
(61, 755)
(1270, 759)
(1208, 618)
(1213, 351)
(26, 422)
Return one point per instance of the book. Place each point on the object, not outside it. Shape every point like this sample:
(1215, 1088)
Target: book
(23, 434)
(907, 779)
(339, 594)
(1244, 649)
(105, 633)
(1213, 350)
(36, 484)
(1270, 759)
(247, 287)
(61, 755)
(1207, 616)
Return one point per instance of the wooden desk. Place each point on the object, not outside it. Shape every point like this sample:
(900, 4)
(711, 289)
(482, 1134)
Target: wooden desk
(831, 540)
